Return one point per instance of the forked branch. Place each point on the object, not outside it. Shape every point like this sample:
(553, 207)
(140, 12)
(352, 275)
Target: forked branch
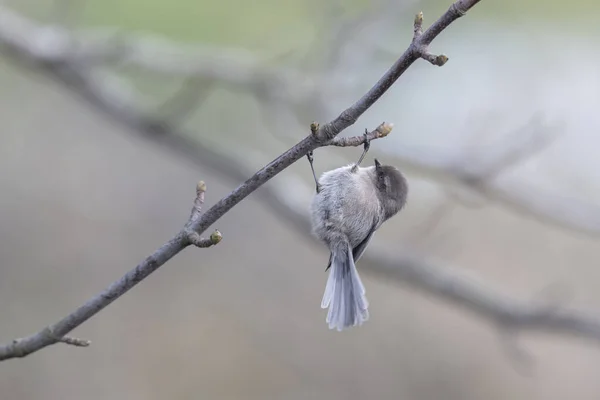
(71, 72)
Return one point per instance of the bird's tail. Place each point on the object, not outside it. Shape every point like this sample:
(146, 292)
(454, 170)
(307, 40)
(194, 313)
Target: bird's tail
(344, 293)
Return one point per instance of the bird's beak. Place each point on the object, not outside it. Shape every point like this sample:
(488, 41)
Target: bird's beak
(377, 164)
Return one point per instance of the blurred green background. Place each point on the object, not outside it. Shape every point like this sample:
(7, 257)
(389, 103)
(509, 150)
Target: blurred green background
(254, 24)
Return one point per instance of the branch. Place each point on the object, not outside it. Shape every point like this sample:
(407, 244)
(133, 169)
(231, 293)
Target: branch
(273, 86)
(193, 237)
(56, 333)
(504, 312)
(294, 90)
(429, 277)
(380, 132)
(321, 137)
(198, 201)
(421, 47)
(280, 87)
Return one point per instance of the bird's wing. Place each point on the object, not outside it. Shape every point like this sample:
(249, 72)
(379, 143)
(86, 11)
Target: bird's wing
(329, 263)
(359, 249)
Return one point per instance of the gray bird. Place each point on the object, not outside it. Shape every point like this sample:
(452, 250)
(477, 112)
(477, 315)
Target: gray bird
(351, 203)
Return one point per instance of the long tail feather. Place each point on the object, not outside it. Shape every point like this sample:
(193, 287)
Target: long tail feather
(344, 292)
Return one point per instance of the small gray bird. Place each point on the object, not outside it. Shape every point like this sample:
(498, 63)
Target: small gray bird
(351, 203)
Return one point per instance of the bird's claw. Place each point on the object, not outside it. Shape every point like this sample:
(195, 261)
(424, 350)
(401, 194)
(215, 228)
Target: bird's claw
(367, 143)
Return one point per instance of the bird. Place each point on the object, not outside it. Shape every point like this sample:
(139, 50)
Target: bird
(351, 202)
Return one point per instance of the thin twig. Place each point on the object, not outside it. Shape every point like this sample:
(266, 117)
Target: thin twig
(73, 341)
(193, 237)
(198, 201)
(198, 241)
(380, 132)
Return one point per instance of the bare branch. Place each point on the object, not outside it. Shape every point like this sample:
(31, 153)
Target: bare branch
(193, 237)
(435, 60)
(198, 241)
(198, 202)
(571, 213)
(294, 90)
(349, 116)
(73, 341)
(60, 68)
(421, 46)
(380, 132)
(30, 344)
(418, 26)
(443, 283)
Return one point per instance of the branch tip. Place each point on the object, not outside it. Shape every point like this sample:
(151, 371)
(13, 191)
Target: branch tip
(435, 60)
(441, 60)
(82, 82)
(381, 131)
(419, 19)
(384, 129)
(314, 127)
(216, 237)
(198, 202)
(195, 239)
(73, 341)
(418, 26)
